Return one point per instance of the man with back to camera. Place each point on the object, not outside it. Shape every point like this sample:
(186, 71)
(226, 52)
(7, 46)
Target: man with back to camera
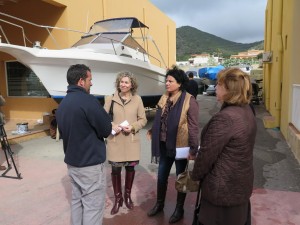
(83, 124)
(192, 86)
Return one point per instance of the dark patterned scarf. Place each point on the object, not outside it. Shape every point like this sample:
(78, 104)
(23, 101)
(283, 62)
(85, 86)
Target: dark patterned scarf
(171, 121)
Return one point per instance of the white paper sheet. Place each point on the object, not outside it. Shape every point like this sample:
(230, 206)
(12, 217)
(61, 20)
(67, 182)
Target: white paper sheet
(182, 153)
(124, 123)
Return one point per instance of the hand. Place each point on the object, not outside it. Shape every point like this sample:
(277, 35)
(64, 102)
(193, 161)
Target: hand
(127, 129)
(149, 135)
(191, 157)
(117, 128)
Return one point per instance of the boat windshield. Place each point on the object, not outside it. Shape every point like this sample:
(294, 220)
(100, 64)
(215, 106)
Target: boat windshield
(120, 25)
(84, 40)
(101, 38)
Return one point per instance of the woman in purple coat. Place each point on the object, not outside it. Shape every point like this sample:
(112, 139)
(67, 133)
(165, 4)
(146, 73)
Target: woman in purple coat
(224, 164)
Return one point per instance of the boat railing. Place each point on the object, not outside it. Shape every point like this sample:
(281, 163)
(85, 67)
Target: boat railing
(47, 28)
(141, 50)
(33, 24)
(148, 37)
(157, 60)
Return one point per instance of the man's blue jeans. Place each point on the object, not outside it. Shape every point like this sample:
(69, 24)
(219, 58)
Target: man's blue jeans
(165, 165)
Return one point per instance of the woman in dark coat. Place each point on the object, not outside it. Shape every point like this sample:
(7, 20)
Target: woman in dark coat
(224, 163)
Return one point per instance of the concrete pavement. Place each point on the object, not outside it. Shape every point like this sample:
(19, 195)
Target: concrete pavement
(43, 195)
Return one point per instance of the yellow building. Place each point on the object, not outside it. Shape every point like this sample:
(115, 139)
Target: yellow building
(75, 15)
(281, 72)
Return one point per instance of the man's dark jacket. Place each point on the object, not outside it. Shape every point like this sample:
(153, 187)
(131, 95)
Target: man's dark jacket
(192, 88)
(83, 124)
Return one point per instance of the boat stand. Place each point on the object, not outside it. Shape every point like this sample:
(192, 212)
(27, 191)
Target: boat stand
(8, 153)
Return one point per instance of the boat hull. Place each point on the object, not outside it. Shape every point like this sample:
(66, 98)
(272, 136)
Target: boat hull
(51, 67)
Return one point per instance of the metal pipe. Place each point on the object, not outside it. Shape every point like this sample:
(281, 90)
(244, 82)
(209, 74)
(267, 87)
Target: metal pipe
(267, 47)
(16, 25)
(278, 83)
(41, 26)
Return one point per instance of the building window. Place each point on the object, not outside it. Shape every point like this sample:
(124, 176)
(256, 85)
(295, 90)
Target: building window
(22, 81)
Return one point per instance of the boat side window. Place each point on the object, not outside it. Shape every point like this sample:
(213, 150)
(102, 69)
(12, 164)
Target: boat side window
(22, 81)
(84, 40)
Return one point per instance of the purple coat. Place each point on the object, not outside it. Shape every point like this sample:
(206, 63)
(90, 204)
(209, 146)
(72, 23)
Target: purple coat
(225, 161)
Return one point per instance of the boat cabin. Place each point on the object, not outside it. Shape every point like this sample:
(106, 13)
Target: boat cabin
(114, 36)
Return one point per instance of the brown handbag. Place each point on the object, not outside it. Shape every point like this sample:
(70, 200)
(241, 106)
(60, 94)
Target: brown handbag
(184, 182)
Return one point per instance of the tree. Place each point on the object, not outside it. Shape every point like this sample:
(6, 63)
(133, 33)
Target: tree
(211, 61)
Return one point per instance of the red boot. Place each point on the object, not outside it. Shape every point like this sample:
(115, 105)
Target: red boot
(128, 185)
(116, 181)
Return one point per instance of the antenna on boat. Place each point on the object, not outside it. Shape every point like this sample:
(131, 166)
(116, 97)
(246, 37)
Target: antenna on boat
(87, 21)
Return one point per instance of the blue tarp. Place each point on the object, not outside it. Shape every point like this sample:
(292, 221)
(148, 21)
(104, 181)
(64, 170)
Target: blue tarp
(210, 72)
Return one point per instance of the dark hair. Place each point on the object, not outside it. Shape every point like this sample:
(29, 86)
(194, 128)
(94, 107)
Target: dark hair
(75, 72)
(191, 75)
(179, 75)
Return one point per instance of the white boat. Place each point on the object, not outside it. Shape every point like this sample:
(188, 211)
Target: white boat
(108, 48)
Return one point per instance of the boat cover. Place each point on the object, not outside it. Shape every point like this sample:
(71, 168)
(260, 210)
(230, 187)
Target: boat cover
(210, 72)
(122, 24)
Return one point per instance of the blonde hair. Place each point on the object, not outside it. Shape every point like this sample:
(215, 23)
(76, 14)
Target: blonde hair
(237, 84)
(132, 79)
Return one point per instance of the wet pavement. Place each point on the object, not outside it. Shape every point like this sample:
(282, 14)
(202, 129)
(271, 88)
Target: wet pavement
(43, 195)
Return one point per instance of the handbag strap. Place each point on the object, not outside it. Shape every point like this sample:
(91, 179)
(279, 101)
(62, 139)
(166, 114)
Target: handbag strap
(197, 206)
(187, 165)
(111, 109)
(198, 195)
(187, 168)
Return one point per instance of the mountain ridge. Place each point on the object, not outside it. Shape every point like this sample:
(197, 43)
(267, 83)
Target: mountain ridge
(190, 40)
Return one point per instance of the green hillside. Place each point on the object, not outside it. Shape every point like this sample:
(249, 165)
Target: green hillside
(190, 41)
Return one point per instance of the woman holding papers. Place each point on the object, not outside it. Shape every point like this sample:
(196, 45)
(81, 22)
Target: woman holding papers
(123, 145)
(175, 127)
(224, 163)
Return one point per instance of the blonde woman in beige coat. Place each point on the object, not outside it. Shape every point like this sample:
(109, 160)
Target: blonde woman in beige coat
(123, 145)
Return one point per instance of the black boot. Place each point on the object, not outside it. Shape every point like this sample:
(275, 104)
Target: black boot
(128, 185)
(116, 181)
(178, 213)
(160, 202)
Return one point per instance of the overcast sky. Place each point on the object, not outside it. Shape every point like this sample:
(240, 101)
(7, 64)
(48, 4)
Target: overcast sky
(235, 20)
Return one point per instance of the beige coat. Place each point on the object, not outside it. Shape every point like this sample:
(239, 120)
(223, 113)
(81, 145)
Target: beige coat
(121, 147)
(182, 133)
